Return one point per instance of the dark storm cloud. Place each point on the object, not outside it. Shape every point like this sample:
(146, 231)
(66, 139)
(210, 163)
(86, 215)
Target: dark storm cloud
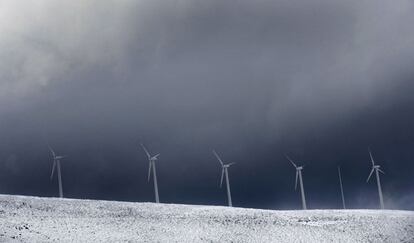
(320, 80)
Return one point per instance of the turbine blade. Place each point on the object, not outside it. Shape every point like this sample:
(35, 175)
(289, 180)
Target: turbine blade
(370, 155)
(381, 171)
(53, 169)
(146, 151)
(53, 152)
(291, 161)
(149, 170)
(296, 180)
(155, 156)
(222, 176)
(218, 158)
(370, 174)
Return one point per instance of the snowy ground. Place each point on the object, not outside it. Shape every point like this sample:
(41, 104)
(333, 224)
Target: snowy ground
(33, 219)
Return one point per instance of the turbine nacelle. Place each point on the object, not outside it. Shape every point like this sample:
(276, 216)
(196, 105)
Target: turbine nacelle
(228, 165)
(300, 167)
(56, 157)
(294, 165)
(155, 157)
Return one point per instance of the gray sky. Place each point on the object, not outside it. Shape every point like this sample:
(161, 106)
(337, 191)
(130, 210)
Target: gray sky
(320, 80)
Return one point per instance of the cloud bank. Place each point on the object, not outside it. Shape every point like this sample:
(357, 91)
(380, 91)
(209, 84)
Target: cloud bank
(251, 79)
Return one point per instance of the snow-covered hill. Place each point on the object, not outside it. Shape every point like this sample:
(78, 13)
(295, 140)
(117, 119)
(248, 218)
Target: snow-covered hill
(33, 219)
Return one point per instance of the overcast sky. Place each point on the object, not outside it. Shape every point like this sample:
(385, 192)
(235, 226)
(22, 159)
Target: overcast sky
(320, 81)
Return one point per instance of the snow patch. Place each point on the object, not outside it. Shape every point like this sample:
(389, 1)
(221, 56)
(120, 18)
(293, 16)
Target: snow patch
(33, 219)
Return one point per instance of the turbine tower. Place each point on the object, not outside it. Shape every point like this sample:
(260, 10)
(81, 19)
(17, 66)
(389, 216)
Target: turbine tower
(342, 189)
(56, 163)
(224, 171)
(299, 174)
(151, 160)
(377, 169)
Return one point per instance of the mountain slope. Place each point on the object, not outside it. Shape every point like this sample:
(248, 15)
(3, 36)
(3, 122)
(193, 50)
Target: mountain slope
(33, 219)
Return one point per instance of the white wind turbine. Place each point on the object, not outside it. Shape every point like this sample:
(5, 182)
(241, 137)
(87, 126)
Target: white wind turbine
(56, 163)
(224, 170)
(151, 160)
(299, 174)
(377, 169)
(342, 189)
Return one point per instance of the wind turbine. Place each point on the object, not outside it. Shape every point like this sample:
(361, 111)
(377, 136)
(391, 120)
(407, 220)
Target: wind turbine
(299, 174)
(377, 169)
(56, 163)
(224, 171)
(342, 189)
(151, 160)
